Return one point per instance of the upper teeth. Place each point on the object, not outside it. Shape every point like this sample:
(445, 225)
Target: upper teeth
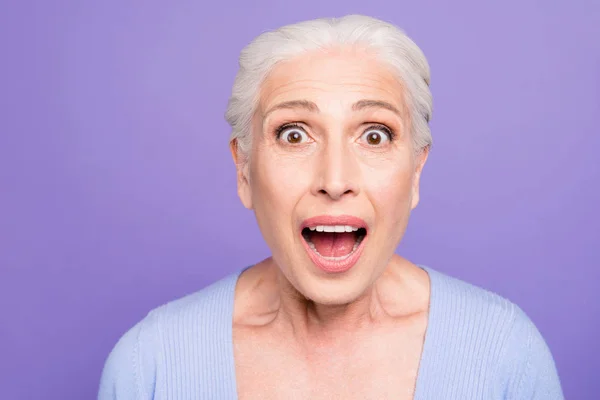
(333, 228)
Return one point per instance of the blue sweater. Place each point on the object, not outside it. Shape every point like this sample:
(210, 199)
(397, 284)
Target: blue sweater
(478, 345)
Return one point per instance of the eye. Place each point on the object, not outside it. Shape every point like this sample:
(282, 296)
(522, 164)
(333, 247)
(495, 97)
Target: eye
(292, 134)
(377, 135)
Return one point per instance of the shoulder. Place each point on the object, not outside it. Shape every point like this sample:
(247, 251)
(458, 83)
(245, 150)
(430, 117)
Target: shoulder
(209, 302)
(493, 334)
(132, 365)
(128, 371)
(467, 304)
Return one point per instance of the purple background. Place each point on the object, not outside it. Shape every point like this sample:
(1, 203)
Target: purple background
(117, 189)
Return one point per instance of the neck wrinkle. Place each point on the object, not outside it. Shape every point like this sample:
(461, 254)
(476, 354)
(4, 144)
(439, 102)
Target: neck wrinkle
(318, 323)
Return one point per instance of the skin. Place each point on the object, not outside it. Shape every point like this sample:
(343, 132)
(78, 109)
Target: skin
(300, 332)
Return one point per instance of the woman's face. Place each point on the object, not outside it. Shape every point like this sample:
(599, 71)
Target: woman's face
(331, 148)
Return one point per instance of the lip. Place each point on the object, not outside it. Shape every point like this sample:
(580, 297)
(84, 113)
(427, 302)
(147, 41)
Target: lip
(335, 266)
(334, 220)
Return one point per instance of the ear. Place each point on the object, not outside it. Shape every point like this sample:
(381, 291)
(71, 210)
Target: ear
(243, 182)
(420, 163)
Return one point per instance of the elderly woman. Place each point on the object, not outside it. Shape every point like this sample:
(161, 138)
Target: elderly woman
(330, 136)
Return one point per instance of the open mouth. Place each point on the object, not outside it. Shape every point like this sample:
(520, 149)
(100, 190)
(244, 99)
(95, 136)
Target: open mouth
(334, 242)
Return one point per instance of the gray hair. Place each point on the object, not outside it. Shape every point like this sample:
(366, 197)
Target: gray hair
(392, 46)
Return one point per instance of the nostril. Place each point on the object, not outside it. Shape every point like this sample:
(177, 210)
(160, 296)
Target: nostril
(334, 193)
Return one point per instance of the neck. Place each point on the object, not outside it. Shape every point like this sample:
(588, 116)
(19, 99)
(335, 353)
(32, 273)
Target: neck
(268, 298)
(306, 315)
(323, 323)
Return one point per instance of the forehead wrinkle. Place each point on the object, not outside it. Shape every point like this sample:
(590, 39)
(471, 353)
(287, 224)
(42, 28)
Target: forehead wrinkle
(270, 94)
(374, 84)
(379, 85)
(382, 94)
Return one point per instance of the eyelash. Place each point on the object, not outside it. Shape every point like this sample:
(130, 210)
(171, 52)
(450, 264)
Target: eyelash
(283, 127)
(391, 134)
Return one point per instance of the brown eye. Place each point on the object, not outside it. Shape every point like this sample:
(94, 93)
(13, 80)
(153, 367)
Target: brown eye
(376, 136)
(293, 135)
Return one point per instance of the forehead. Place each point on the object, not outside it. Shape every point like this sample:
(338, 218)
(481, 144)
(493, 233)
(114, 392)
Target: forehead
(341, 76)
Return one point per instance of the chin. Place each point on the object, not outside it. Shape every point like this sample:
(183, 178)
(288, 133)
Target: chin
(326, 289)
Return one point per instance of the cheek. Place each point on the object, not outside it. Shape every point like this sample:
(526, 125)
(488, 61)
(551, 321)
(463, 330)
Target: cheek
(390, 193)
(389, 184)
(278, 183)
(277, 187)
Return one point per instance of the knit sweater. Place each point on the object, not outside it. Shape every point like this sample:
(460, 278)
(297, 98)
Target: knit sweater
(478, 345)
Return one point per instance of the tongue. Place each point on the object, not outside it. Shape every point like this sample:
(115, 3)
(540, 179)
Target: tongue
(333, 244)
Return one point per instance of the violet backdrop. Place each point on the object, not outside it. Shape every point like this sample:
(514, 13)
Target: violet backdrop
(117, 190)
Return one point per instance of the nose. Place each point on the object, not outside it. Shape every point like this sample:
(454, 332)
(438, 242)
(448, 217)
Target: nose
(337, 172)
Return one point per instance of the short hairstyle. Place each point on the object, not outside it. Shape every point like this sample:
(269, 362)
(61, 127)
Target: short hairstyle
(389, 43)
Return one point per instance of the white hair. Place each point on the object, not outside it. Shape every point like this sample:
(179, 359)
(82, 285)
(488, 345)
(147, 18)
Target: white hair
(389, 43)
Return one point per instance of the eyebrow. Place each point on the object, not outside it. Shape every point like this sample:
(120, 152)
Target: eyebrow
(312, 107)
(362, 104)
(294, 104)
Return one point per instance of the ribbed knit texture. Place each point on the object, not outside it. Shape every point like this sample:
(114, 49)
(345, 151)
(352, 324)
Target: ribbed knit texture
(478, 345)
